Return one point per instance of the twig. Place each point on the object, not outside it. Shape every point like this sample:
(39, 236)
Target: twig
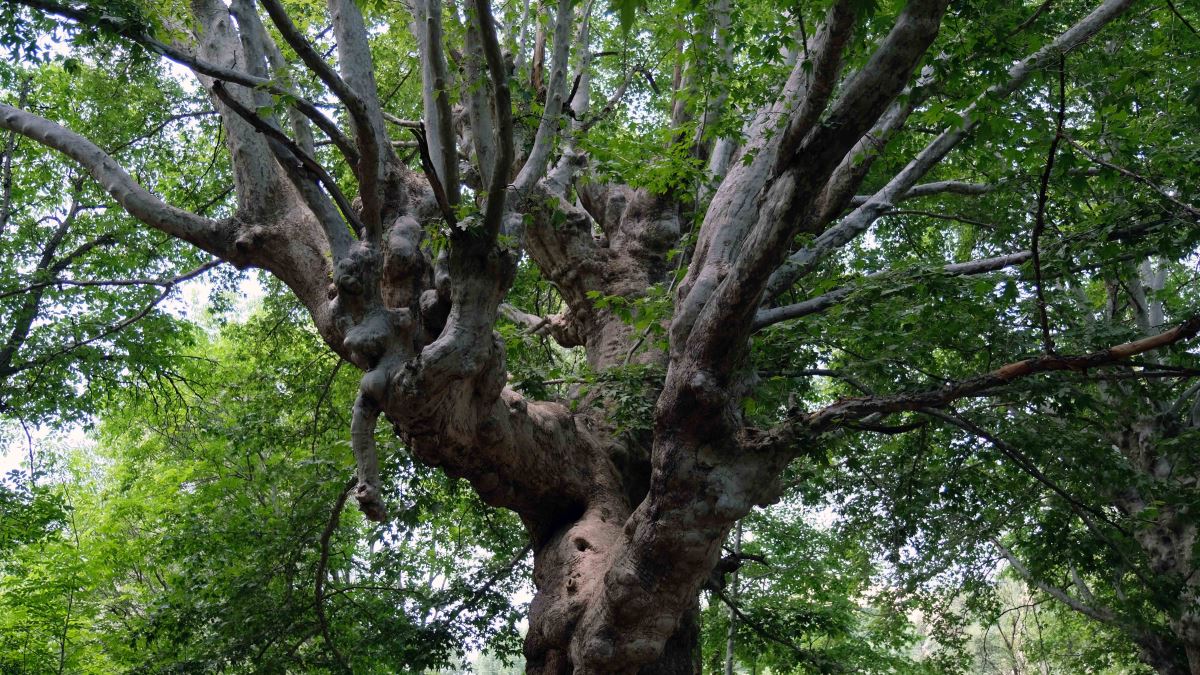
(1027, 465)
(820, 372)
(1039, 224)
(887, 429)
(321, 400)
(499, 574)
(857, 408)
(801, 653)
(942, 216)
(119, 326)
(1175, 11)
(29, 449)
(1193, 211)
(1032, 17)
(435, 183)
(164, 281)
(1102, 614)
(323, 564)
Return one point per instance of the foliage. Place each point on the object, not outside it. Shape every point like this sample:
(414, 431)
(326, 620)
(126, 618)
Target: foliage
(196, 525)
(808, 603)
(194, 535)
(83, 284)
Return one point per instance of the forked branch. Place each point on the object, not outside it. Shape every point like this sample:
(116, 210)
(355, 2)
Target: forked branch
(805, 260)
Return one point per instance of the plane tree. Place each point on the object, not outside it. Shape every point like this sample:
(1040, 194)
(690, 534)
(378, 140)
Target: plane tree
(704, 189)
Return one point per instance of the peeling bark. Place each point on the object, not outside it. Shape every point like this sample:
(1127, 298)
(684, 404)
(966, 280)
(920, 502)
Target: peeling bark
(625, 528)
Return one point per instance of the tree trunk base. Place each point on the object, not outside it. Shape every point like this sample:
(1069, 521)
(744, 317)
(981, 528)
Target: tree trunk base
(682, 653)
(681, 656)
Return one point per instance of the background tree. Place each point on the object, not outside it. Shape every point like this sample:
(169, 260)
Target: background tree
(1079, 486)
(206, 532)
(735, 246)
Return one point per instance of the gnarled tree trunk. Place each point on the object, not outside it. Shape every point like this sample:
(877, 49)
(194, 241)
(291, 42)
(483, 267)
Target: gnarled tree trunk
(625, 528)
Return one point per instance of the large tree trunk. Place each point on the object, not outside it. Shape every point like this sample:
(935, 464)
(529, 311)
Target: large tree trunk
(681, 656)
(1164, 656)
(624, 531)
(569, 570)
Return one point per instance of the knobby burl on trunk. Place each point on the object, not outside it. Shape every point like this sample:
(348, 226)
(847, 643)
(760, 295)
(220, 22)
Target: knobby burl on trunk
(625, 530)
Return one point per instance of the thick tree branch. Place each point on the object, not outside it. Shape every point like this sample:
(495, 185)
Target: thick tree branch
(494, 212)
(555, 325)
(804, 261)
(210, 235)
(476, 92)
(825, 66)
(677, 530)
(808, 168)
(259, 45)
(315, 62)
(556, 93)
(857, 408)
(306, 174)
(447, 171)
(358, 70)
(857, 163)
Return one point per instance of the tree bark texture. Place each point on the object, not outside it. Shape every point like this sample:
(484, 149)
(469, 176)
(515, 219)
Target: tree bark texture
(625, 527)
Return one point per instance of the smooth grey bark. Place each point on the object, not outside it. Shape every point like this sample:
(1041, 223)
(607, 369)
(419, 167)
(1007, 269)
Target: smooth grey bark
(805, 260)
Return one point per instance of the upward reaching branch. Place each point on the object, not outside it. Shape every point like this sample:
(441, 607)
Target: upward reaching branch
(503, 114)
(556, 98)
(804, 261)
(447, 171)
(374, 146)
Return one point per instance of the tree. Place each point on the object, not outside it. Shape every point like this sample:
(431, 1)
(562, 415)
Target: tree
(679, 231)
(1082, 488)
(206, 531)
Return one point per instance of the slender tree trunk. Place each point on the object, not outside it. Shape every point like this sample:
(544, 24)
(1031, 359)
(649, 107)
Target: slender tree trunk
(731, 638)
